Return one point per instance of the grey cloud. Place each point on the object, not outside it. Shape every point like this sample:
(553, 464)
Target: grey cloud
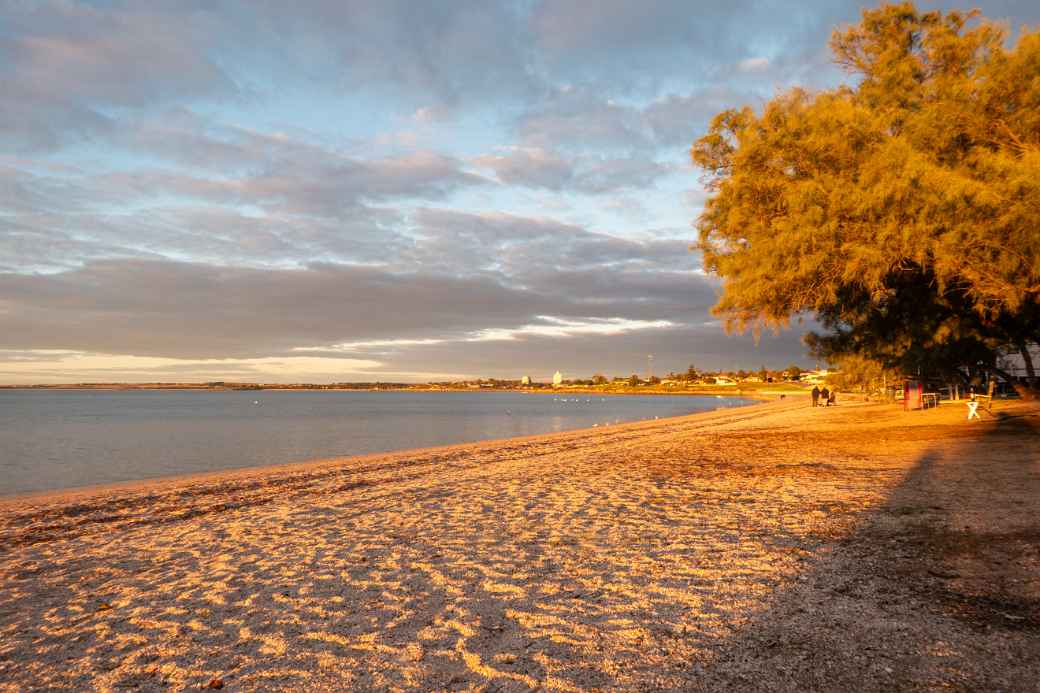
(328, 186)
(300, 227)
(193, 310)
(317, 205)
(532, 167)
(599, 175)
(582, 119)
(579, 119)
(163, 308)
(678, 296)
(333, 187)
(449, 52)
(678, 119)
(66, 63)
(44, 246)
(31, 121)
(619, 46)
(520, 248)
(180, 135)
(65, 66)
(73, 69)
(48, 242)
(729, 55)
(289, 173)
(537, 168)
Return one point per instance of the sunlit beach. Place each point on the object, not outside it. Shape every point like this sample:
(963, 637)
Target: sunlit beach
(519, 345)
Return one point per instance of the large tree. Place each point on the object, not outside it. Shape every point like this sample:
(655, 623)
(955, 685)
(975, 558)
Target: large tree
(903, 212)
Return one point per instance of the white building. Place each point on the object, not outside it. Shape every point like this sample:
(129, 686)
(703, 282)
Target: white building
(557, 379)
(526, 380)
(1015, 365)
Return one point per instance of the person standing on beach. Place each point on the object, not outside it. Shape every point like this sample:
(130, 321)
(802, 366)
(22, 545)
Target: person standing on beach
(825, 395)
(815, 396)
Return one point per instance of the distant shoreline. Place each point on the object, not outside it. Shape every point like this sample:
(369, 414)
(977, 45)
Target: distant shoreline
(755, 391)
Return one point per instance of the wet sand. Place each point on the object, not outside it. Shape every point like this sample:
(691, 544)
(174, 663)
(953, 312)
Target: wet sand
(772, 547)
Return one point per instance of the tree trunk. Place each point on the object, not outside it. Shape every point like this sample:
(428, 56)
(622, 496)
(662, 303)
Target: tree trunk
(1023, 348)
(993, 370)
(1029, 390)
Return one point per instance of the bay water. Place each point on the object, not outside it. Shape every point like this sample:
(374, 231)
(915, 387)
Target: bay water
(57, 439)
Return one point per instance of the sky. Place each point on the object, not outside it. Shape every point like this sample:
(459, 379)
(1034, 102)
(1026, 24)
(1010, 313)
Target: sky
(344, 190)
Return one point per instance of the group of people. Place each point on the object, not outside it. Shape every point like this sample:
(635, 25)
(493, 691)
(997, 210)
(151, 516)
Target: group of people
(828, 397)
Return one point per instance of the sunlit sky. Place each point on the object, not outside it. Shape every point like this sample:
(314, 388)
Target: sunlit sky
(392, 190)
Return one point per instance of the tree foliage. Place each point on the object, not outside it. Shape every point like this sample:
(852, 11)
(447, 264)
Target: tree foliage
(902, 211)
(859, 374)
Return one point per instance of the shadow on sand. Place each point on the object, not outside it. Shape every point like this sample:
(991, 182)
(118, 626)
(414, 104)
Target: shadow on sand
(938, 589)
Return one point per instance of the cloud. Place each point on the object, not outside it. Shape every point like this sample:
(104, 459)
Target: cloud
(536, 168)
(451, 53)
(532, 251)
(549, 326)
(429, 114)
(266, 200)
(603, 174)
(337, 185)
(623, 46)
(70, 220)
(530, 166)
(73, 70)
(580, 120)
(67, 64)
(50, 366)
(189, 310)
(235, 165)
(753, 64)
(546, 326)
(310, 182)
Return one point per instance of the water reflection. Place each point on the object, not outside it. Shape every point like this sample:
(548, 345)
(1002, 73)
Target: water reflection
(62, 439)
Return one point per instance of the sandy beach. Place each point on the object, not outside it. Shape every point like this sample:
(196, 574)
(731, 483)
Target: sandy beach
(772, 547)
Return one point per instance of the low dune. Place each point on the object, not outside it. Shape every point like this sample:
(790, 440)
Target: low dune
(772, 547)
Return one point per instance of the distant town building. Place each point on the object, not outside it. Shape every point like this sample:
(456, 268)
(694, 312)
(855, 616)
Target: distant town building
(526, 380)
(557, 379)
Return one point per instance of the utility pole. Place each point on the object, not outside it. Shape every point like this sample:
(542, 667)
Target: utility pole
(649, 367)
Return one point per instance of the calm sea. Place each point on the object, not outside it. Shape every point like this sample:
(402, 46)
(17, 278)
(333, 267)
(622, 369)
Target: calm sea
(53, 439)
